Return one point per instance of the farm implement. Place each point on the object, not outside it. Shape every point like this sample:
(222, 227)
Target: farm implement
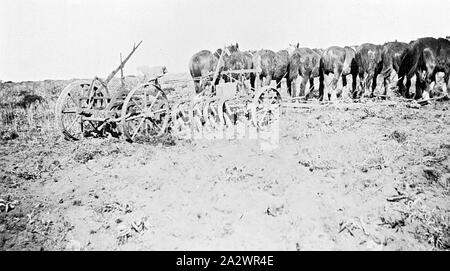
(141, 111)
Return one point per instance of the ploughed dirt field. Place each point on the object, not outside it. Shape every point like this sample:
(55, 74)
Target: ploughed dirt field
(373, 175)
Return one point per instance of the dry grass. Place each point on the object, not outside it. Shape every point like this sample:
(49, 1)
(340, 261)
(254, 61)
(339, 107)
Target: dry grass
(414, 147)
(27, 108)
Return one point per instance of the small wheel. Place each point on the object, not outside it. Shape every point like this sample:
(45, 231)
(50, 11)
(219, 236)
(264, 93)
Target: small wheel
(70, 102)
(266, 101)
(145, 113)
(211, 114)
(225, 113)
(227, 118)
(196, 115)
(180, 119)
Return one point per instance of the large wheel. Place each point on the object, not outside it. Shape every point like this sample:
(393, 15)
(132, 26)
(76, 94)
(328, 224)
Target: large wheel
(145, 113)
(71, 101)
(267, 100)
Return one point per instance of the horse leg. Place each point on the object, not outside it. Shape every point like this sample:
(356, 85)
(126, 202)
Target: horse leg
(400, 85)
(446, 85)
(354, 79)
(362, 84)
(311, 87)
(376, 72)
(419, 86)
(386, 82)
(288, 86)
(268, 80)
(252, 80)
(373, 85)
(295, 93)
(321, 84)
(431, 83)
(344, 81)
(305, 79)
(333, 94)
(354, 72)
(408, 85)
(197, 85)
(262, 78)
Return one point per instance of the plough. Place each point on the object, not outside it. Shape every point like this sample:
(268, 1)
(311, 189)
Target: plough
(143, 112)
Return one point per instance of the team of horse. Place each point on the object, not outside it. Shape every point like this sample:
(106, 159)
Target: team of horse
(422, 58)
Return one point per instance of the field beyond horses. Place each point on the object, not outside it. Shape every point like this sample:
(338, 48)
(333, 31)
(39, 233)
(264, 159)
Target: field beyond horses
(368, 176)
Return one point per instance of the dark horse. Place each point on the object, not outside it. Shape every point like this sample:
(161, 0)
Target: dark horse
(263, 61)
(271, 66)
(236, 60)
(281, 68)
(336, 60)
(424, 58)
(303, 62)
(368, 66)
(391, 57)
(204, 63)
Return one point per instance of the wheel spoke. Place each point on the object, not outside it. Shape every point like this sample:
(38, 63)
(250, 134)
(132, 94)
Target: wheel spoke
(137, 129)
(227, 119)
(213, 110)
(145, 127)
(75, 102)
(136, 103)
(263, 110)
(69, 110)
(73, 122)
(155, 124)
(156, 98)
(159, 111)
(142, 115)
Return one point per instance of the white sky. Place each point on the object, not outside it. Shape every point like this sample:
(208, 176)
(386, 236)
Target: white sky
(62, 39)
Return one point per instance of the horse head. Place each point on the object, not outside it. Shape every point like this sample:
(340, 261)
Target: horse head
(291, 48)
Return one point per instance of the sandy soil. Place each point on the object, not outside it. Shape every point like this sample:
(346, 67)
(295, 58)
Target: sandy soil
(354, 177)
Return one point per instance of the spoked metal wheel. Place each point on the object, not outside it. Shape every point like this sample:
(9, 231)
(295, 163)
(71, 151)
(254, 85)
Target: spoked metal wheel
(265, 106)
(233, 113)
(211, 114)
(69, 105)
(180, 120)
(227, 118)
(225, 113)
(196, 116)
(145, 113)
